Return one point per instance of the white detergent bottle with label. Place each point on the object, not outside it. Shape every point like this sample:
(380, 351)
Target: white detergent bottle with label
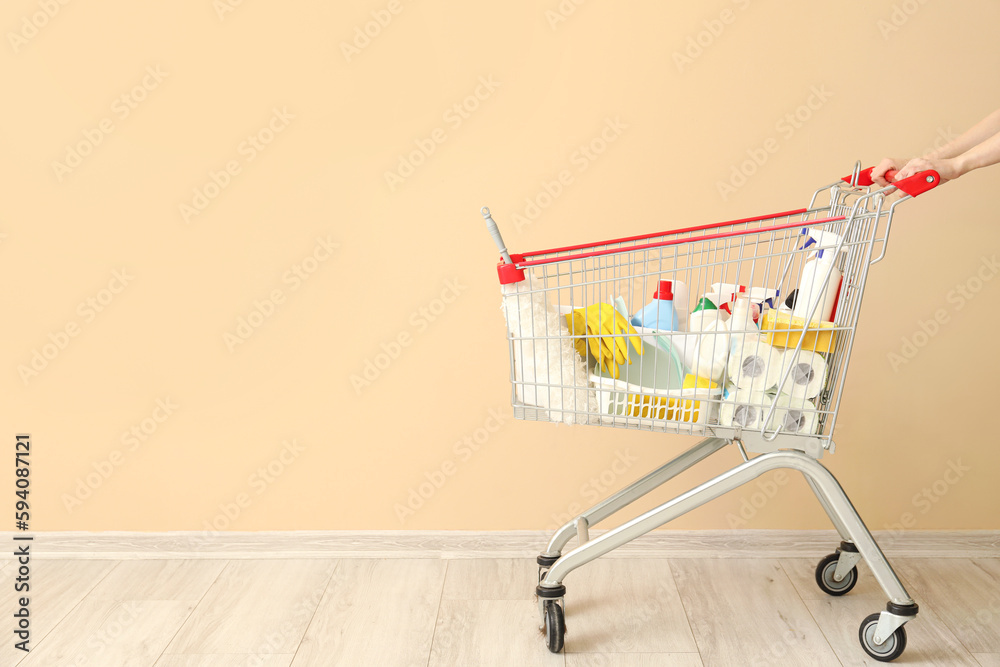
(741, 324)
(819, 284)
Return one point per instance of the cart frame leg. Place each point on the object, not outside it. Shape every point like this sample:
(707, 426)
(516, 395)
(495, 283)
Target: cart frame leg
(834, 519)
(826, 485)
(630, 494)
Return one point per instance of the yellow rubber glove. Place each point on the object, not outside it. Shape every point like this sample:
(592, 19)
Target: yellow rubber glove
(607, 331)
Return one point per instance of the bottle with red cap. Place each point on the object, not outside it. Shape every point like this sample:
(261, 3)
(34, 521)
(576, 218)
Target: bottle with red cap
(659, 313)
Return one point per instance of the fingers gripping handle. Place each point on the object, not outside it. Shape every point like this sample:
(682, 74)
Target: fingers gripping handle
(495, 233)
(913, 186)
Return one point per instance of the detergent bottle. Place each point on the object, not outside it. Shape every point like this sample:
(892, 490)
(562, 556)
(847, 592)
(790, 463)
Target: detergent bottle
(741, 324)
(705, 314)
(659, 313)
(819, 284)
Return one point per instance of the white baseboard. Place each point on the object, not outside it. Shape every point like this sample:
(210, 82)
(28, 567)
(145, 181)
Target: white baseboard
(500, 544)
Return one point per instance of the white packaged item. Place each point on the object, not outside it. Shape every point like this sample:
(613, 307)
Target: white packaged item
(713, 352)
(681, 303)
(806, 373)
(819, 283)
(741, 324)
(704, 320)
(745, 408)
(723, 293)
(754, 365)
(793, 415)
(545, 361)
(764, 296)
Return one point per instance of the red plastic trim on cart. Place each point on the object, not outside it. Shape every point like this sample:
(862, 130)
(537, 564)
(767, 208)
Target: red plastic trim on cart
(914, 185)
(864, 178)
(685, 230)
(509, 273)
(661, 244)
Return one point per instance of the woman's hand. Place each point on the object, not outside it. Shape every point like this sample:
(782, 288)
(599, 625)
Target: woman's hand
(948, 168)
(878, 173)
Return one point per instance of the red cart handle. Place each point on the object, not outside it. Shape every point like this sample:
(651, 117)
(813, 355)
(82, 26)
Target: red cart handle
(914, 185)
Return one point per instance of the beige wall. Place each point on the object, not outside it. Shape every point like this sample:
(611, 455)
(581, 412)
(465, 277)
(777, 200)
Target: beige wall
(413, 261)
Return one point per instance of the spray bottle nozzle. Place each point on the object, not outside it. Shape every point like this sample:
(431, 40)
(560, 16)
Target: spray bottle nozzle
(823, 240)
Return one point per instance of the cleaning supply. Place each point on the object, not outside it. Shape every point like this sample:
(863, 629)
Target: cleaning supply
(790, 301)
(639, 390)
(793, 416)
(698, 382)
(741, 324)
(805, 374)
(695, 403)
(819, 283)
(681, 303)
(659, 313)
(754, 365)
(783, 330)
(713, 352)
(700, 396)
(605, 331)
(725, 294)
(544, 356)
(659, 366)
(764, 298)
(704, 314)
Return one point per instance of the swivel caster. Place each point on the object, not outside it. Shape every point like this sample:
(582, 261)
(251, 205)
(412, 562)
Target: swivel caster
(890, 649)
(544, 563)
(825, 575)
(555, 626)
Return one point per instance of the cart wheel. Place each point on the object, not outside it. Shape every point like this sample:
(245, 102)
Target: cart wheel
(555, 626)
(825, 580)
(888, 650)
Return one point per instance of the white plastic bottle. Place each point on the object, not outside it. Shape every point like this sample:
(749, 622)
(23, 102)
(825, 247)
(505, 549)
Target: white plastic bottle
(817, 294)
(742, 320)
(741, 325)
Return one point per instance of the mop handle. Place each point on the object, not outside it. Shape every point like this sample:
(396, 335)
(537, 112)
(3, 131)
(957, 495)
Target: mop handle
(495, 233)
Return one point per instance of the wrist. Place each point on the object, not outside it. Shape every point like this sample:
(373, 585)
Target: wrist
(963, 164)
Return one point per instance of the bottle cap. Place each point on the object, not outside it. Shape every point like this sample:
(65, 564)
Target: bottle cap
(664, 291)
(704, 303)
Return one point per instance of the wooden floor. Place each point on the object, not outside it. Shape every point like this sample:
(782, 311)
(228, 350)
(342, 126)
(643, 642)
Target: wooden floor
(433, 612)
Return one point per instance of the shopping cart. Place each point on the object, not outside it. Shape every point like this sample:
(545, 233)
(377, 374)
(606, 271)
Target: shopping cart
(770, 385)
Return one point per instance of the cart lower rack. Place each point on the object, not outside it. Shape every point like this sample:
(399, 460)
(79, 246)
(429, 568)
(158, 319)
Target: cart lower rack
(601, 334)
